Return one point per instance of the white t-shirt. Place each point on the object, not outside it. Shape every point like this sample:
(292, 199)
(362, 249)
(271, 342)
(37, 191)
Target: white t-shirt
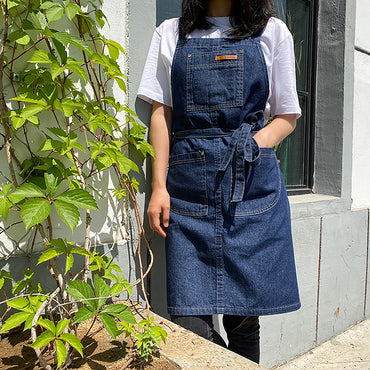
(278, 49)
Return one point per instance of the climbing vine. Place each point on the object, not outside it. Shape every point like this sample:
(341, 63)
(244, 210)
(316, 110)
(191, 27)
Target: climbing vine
(63, 130)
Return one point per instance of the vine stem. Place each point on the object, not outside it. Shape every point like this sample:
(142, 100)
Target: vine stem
(3, 107)
(38, 352)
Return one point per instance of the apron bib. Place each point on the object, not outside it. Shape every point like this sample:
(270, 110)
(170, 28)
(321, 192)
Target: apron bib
(229, 247)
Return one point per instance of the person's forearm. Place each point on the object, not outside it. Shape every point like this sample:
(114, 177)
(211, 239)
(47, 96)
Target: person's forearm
(280, 127)
(160, 137)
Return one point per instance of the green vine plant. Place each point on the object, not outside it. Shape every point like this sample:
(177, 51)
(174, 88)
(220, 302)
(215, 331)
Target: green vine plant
(63, 131)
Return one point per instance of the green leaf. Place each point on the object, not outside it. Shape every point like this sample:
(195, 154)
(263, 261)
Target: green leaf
(120, 311)
(84, 313)
(28, 274)
(35, 211)
(69, 263)
(73, 341)
(81, 251)
(109, 324)
(31, 110)
(6, 188)
(39, 20)
(101, 290)
(56, 70)
(5, 205)
(17, 36)
(80, 290)
(54, 13)
(126, 315)
(18, 122)
(26, 24)
(21, 304)
(59, 243)
(113, 51)
(68, 213)
(80, 198)
(116, 288)
(34, 120)
(61, 326)
(14, 320)
(43, 339)
(121, 84)
(50, 144)
(49, 254)
(47, 324)
(61, 352)
(63, 37)
(53, 179)
(99, 15)
(126, 165)
(19, 286)
(61, 50)
(128, 286)
(25, 190)
(77, 69)
(72, 10)
(41, 56)
(47, 5)
(30, 98)
(104, 125)
(81, 44)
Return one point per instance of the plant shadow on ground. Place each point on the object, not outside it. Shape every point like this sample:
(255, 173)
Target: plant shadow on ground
(100, 352)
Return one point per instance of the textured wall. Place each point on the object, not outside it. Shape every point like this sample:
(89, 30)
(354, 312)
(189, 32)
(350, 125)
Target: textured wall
(361, 124)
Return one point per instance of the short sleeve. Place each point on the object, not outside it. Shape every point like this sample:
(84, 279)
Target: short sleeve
(283, 97)
(155, 84)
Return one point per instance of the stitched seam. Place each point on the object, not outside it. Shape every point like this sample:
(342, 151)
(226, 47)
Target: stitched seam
(273, 309)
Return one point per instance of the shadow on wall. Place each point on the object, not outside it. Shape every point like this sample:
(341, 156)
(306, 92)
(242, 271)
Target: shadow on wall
(167, 9)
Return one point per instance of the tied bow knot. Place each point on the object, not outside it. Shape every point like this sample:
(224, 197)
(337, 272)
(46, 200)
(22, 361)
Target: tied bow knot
(243, 148)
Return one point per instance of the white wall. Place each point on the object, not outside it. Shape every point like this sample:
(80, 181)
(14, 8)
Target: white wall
(103, 228)
(361, 124)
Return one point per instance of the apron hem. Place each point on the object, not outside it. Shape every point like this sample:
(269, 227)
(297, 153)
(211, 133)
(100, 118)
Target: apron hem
(189, 311)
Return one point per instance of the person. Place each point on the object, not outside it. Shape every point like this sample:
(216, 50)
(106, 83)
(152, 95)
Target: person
(215, 76)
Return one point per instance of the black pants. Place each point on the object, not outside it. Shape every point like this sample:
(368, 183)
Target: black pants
(243, 332)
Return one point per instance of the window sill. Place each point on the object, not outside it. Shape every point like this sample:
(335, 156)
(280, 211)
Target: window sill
(311, 205)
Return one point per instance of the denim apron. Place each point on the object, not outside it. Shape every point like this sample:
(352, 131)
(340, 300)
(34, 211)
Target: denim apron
(229, 246)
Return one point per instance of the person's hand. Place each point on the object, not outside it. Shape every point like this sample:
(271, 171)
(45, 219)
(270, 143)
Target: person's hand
(159, 205)
(263, 140)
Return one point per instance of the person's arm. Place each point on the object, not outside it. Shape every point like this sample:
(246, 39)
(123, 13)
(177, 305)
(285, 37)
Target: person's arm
(277, 130)
(160, 138)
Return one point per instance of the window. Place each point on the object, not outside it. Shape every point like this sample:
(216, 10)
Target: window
(295, 152)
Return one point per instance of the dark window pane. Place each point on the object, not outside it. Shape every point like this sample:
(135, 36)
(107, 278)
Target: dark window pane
(293, 152)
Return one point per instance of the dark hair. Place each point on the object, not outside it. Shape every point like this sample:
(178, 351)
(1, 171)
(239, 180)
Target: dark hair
(249, 17)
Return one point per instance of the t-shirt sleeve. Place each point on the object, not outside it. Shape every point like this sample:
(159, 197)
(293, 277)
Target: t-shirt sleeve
(155, 84)
(283, 97)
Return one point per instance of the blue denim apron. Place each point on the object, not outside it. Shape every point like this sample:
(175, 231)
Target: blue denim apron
(229, 246)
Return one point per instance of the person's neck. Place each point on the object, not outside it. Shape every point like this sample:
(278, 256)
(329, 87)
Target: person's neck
(219, 8)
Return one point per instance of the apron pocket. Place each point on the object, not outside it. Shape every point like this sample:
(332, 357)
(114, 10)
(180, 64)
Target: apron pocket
(214, 80)
(186, 184)
(263, 186)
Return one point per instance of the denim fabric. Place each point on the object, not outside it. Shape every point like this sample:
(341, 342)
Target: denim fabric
(229, 246)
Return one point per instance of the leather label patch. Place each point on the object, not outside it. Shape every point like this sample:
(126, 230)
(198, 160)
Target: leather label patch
(226, 57)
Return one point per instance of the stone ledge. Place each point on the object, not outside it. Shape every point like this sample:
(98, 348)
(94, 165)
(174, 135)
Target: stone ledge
(189, 351)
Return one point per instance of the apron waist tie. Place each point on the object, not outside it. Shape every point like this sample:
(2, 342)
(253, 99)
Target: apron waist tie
(241, 146)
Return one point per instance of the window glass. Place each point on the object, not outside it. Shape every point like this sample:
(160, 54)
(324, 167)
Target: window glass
(293, 152)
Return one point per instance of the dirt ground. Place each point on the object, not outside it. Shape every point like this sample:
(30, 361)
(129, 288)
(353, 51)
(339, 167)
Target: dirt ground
(100, 352)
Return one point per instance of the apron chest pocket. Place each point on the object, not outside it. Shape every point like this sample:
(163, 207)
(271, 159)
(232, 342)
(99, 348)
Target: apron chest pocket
(214, 80)
(186, 184)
